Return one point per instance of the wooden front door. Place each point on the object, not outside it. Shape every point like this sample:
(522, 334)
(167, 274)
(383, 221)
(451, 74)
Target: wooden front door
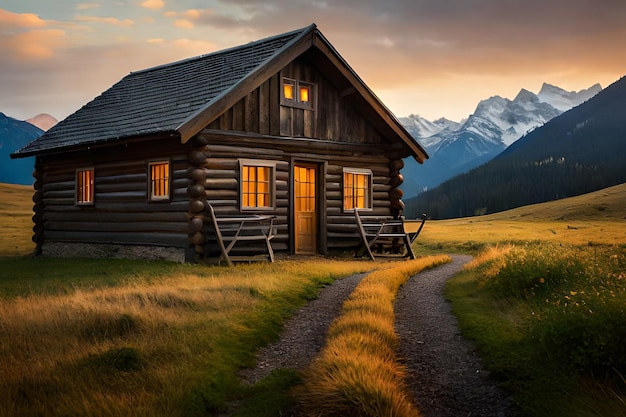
(305, 208)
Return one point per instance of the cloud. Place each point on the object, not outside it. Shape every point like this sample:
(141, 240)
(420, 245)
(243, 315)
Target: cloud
(184, 24)
(33, 45)
(106, 20)
(153, 4)
(87, 6)
(24, 40)
(186, 19)
(9, 20)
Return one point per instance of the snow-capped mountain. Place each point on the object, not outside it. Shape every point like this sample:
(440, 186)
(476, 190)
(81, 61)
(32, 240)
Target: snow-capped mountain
(496, 123)
(423, 128)
(565, 100)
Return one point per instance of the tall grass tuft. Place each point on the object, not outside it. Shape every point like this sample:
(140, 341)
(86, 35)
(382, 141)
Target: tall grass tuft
(358, 373)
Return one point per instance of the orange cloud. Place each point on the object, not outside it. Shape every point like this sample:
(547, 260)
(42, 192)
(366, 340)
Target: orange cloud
(20, 20)
(35, 44)
(23, 40)
(183, 24)
(107, 20)
(153, 4)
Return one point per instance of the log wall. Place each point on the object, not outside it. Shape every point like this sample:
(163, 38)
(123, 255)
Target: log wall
(122, 212)
(217, 169)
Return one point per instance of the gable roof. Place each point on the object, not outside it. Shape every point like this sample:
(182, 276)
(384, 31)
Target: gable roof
(181, 98)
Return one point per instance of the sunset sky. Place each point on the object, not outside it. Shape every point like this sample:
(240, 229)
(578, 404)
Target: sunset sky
(429, 57)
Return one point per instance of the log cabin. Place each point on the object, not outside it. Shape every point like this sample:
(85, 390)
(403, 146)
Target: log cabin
(280, 126)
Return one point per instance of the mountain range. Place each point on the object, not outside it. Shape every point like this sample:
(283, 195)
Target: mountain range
(14, 134)
(576, 152)
(497, 122)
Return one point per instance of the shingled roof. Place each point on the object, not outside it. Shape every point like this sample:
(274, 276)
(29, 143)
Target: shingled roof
(181, 98)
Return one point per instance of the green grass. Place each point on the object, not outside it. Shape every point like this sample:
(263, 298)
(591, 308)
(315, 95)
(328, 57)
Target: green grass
(111, 337)
(114, 337)
(545, 300)
(550, 324)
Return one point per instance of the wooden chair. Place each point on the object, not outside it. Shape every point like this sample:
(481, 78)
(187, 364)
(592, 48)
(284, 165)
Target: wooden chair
(385, 233)
(381, 235)
(414, 227)
(233, 229)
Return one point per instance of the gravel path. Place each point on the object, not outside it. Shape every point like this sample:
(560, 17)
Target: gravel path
(305, 333)
(444, 374)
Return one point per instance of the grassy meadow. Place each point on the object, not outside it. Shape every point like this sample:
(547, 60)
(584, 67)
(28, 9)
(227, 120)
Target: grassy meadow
(105, 337)
(544, 299)
(598, 217)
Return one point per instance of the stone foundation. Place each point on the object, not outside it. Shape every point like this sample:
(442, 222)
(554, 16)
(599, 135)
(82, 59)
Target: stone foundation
(109, 250)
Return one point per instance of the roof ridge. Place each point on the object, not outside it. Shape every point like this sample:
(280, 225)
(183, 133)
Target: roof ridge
(226, 51)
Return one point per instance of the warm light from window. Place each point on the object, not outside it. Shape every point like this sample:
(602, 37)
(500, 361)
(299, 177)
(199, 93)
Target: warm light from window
(256, 184)
(160, 181)
(356, 190)
(84, 186)
(288, 91)
(304, 94)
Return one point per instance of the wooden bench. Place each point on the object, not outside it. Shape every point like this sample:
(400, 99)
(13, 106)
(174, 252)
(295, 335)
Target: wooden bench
(249, 228)
(386, 235)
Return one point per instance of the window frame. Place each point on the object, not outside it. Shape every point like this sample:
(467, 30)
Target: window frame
(152, 197)
(368, 199)
(296, 101)
(78, 193)
(259, 163)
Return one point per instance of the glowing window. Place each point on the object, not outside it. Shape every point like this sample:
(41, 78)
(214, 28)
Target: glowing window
(298, 94)
(305, 94)
(357, 189)
(85, 186)
(159, 180)
(287, 90)
(257, 185)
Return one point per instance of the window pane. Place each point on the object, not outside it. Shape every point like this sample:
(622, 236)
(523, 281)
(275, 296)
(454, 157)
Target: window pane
(85, 186)
(304, 94)
(287, 91)
(256, 183)
(356, 190)
(159, 181)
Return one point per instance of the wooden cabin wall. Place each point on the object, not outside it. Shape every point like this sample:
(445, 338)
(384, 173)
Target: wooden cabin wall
(219, 159)
(122, 213)
(333, 119)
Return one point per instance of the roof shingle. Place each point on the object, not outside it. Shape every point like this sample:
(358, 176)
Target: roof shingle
(158, 100)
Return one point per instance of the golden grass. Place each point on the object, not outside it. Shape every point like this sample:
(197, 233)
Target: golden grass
(489, 254)
(598, 217)
(141, 348)
(358, 373)
(16, 211)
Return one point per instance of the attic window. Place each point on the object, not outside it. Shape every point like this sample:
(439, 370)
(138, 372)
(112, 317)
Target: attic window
(159, 180)
(297, 93)
(85, 187)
